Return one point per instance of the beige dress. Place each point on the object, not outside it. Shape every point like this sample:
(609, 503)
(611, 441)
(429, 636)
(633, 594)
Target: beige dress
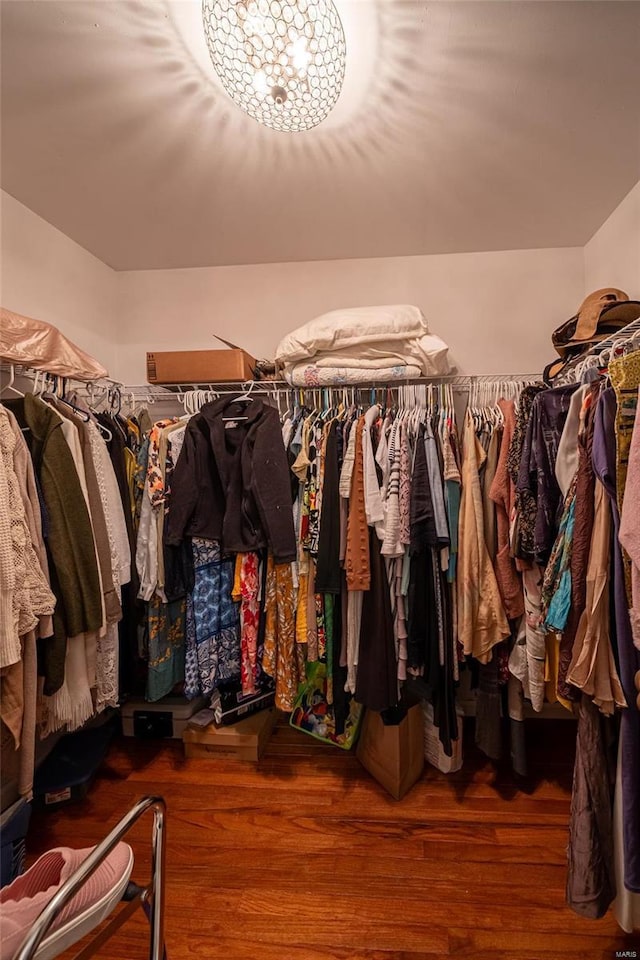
(592, 666)
(482, 622)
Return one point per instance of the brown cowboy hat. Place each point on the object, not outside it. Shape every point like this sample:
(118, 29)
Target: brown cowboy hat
(601, 315)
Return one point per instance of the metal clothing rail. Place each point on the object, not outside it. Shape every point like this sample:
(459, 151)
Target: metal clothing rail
(454, 379)
(150, 898)
(615, 338)
(170, 392)
(599, 354)
(13, 370)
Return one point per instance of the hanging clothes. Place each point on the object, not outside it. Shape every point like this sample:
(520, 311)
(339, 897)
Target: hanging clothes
(377, 680)
(213, 622)
(328, 574)
(27, 600)
(583, 532)
(590, 878)
(25, 593)
(482, 622)
(231, 481)
(592, 668)
(630, 525)
(75, 577)
(60, 599)
(537, 470)
(245, 592)
(502, 494)
(520, 470)
(283, 659)
(606, 466)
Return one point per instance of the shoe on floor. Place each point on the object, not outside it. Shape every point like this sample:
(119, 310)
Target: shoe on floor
(22, 901)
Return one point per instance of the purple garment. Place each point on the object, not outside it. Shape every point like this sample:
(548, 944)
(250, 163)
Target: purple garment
(538, 464)
(628, 657)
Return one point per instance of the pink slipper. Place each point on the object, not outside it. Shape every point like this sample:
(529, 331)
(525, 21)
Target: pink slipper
(22, 901)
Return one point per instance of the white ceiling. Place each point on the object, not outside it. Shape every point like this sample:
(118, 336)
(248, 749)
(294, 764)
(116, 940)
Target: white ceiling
(462, 126)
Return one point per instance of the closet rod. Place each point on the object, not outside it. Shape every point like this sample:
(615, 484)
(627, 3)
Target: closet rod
(266, 386)
(31, 373)
(615, 338)
(171, 392)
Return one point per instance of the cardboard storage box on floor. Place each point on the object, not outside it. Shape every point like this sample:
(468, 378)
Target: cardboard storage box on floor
(433, 750)
(245, 740)
(200, 366)
(393, 755)
(163, 720)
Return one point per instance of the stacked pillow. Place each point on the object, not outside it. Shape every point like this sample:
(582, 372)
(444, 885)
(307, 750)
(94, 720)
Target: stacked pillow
(361, 344)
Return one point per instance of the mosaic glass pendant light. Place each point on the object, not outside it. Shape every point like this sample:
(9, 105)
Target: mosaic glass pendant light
(282, 62)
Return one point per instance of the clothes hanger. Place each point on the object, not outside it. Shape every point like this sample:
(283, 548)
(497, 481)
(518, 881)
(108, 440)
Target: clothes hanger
(499, 392)
(242, 398)
(626, 344)
(477, 405)
(60, 391)
(87, 415)
(471, 402)
(327, 405)
(81, 414)
(37, 385)
(481, 407)
(115, 405)
(10, 386)
(106, 433)
(53, 396)
(490, 409)
(94, 402)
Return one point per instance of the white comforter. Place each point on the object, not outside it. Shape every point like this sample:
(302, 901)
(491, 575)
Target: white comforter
(307, 374)
(369, 341)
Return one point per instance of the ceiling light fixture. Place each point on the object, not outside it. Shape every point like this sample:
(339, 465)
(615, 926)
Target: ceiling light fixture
(282, 62)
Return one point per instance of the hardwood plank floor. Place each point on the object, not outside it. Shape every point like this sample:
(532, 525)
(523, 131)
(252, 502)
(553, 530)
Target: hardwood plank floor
(305, 857)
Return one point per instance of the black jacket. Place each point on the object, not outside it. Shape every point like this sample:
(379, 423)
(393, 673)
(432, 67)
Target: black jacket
(231, 481)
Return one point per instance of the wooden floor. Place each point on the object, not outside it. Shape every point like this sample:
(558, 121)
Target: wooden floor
(305, 857)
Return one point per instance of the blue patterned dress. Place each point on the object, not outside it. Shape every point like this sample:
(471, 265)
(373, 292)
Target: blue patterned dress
(213, 622)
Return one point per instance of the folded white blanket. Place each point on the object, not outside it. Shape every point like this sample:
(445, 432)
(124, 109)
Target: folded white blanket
(428, 352)
(308, 374)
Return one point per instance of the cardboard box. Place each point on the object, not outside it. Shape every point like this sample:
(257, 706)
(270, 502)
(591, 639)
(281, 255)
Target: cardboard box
(393, 755)
(245, 740)
(433, 751)
(199, 366)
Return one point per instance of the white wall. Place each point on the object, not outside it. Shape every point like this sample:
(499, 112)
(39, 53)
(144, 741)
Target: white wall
(612, 256)
(495, 310)
(44, 274)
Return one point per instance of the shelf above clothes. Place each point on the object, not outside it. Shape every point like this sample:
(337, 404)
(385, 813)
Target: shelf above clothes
(271, 385)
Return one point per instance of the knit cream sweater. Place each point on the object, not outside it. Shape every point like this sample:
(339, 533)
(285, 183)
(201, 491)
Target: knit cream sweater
(25, 594)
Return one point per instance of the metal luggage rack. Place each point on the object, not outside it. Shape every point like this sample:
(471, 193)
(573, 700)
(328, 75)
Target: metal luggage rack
(150, 898)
